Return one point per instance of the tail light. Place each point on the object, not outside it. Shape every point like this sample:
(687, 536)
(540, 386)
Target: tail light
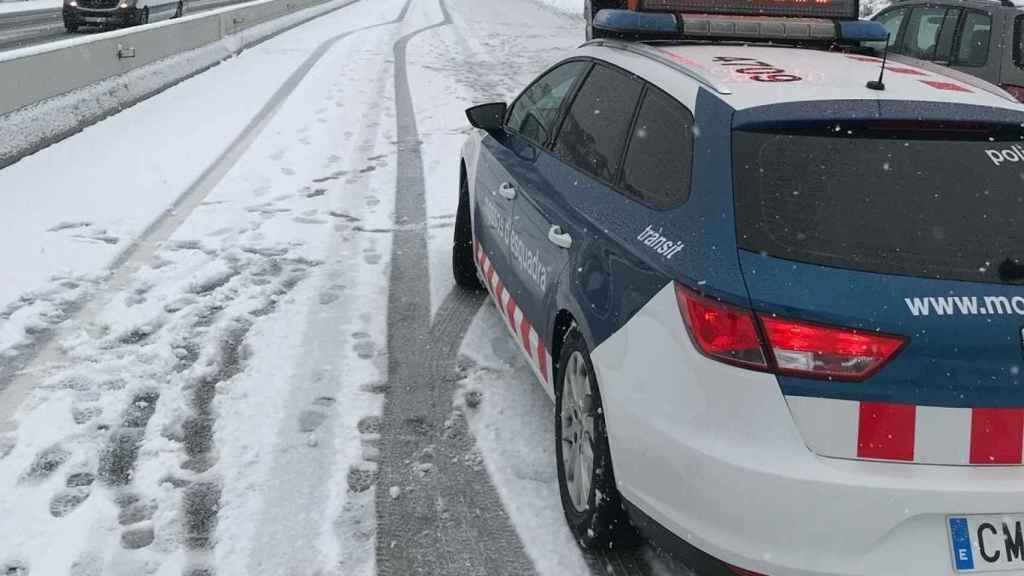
(822, 351)
(782, 346)
(1014, 90)
(723, 332)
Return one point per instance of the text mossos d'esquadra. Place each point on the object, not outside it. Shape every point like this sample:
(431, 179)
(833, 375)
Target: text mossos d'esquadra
(527, 259)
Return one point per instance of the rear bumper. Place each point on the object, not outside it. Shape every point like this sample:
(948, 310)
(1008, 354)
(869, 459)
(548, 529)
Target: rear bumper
(711, 453)
(829, 517)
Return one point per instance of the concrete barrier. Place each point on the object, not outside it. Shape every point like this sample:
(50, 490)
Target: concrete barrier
(54, 90)
(40, 72)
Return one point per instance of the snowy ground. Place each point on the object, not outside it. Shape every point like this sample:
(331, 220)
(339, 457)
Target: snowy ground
(195, 323)
(870, 7)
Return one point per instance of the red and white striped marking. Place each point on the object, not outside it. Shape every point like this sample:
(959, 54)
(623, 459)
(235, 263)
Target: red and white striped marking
(908, 433)
(897, 69)
(515, 320)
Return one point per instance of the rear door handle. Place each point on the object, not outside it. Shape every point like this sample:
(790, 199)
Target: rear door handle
(507, 191)
(559, 238)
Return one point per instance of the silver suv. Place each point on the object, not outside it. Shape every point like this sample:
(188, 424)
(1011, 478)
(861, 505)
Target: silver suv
(978, 37)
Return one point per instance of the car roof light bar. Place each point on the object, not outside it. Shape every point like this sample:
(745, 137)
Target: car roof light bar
(628, 23)
(830, 9)
(862, 31)
(758, 28)
(632, 25)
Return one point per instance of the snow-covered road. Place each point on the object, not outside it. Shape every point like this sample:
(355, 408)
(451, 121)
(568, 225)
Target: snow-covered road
(229, 339)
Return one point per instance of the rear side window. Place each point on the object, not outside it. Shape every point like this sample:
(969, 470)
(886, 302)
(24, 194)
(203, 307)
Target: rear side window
(936, 206)
(597, 124)
(660, 154)
(536, 111)
(944, 49)
(922, 34)
(975, 38)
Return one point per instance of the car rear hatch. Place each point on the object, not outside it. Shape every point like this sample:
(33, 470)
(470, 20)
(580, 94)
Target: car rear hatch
(889, 222)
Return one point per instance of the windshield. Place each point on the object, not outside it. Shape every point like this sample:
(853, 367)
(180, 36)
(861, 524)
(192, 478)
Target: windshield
(917, 202)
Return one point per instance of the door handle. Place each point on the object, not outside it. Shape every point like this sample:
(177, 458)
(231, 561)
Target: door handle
(507, 191)
(559, 238)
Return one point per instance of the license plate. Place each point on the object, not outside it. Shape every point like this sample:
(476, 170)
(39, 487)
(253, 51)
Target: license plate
(990, 543)
(94, 19)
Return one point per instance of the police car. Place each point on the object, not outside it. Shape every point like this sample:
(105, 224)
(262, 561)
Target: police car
(773, 288)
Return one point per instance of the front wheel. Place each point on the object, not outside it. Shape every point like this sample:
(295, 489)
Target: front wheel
(142, 17)
(463, 264)
(70, 25)
(586, 481)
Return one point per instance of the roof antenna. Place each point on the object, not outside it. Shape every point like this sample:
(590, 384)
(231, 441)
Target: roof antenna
(878, 84)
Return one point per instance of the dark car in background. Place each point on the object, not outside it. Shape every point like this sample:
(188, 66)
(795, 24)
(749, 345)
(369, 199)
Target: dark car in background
(118, 13)
(979, 37)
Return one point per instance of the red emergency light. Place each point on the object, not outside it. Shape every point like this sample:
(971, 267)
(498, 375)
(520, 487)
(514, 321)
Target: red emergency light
(832, 9)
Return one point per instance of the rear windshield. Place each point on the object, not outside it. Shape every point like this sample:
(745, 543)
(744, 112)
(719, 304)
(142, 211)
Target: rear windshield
(910, 201)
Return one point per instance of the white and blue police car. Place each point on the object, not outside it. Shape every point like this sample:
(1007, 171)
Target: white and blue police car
(774, 286)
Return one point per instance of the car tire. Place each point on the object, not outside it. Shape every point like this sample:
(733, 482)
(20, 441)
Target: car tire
(70, 25)
(180, 11)
(142, 17)
(590, 499)
(463, 264)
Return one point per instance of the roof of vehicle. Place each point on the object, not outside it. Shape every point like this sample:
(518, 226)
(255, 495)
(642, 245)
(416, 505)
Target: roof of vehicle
(1017, 4)
(746, 76)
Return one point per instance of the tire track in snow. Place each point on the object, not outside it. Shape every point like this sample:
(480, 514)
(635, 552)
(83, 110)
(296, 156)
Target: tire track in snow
(452, 322)
(305, 477)
(437, 510)
(202, 499)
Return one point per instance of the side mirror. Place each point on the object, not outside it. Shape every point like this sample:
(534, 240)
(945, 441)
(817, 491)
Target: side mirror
(488, 117)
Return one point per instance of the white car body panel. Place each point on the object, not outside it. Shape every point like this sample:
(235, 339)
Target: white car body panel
(711, 452)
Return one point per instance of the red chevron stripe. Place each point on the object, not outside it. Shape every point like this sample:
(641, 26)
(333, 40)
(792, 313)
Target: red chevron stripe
(524, 333)
(886, 431)
(997, 435)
